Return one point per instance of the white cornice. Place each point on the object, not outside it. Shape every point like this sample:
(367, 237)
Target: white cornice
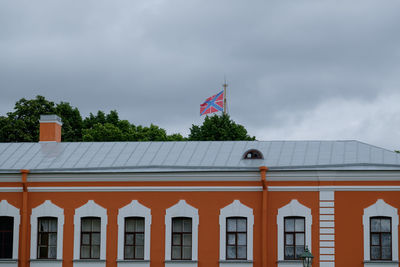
(144, 188)
(335, 188)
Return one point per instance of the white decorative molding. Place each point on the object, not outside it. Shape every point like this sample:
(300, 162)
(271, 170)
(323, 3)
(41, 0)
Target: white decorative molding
(294, 208)
(6, 209)
(90, 209)
(235, 209)
(134, 209)
(47, 209)
(181, 209)
(381, 208)
(335, 188)
(10, 189)
(145, 189)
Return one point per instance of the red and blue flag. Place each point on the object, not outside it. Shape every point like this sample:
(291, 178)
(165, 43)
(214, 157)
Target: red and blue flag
(213, 104)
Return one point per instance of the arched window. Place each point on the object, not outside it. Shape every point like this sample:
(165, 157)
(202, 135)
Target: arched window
(253, 154)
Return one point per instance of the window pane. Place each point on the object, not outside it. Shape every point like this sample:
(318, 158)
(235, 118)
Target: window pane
(139, 239)
(231, 225)
(231, 239)
(85, 239)
(386, 240)
(385, 225)
(95, 252)
(231, 252)
(53, 239)
(187, 253)
(375, 253)
(289, 225)
(43, 252)
(300, 239)
(375, 239)
(242, 239)
(95, 239)
(96, 225)
(299, 250)
(139, 224)
(129, 225)
(176, 225)
(241, 251)
(187, 225)
(289, 239)
(241, 225)
(176, 239)
(128, 252)
(299, 225)
(139, 252)
(52, 252)
(53, 225)
(86, 225)
(375, 225)
(187, 239)
(129, 239)
(289, 252)
(43, 239)
(176, 252)
(44, 225)
(85, 252)
(386, 253)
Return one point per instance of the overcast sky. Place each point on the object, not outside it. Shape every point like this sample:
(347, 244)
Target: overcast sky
(297, 70)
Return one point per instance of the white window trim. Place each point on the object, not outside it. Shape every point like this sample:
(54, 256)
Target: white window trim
(134, 209)
(6, 209)
(181, 209)
(47, 209)
(235, 209)
(90, 209)
(294, 208)
(381, 208)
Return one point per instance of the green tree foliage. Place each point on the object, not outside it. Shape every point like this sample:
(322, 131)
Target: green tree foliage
(22, 125)
(219, 128)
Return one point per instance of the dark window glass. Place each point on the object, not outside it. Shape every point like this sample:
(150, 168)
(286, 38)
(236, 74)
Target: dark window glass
(236, 238)
(47, 238)
(294, 237)
(90, 238)
(6, 237)
(181, 238)
(134, 238)
(381, 238)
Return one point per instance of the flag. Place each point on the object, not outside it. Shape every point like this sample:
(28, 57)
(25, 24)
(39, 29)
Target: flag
(213, 104)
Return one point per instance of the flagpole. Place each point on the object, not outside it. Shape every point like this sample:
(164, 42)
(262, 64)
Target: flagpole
(225, 85)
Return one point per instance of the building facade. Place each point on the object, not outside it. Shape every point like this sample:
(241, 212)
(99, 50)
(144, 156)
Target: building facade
(197, 204)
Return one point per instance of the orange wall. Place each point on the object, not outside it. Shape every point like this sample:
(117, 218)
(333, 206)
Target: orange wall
(349, 209)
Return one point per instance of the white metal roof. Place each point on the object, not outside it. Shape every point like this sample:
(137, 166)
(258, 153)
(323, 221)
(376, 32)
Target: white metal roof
(199, 156)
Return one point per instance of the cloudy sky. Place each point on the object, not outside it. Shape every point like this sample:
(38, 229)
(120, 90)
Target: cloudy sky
(297, 69)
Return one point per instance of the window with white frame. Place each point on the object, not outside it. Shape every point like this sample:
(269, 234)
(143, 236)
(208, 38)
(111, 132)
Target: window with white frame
(294, 222)
(380, 225)
(90, 232)
(47, 222)
(134, 221)
(236, 222)
(9, 231)
(181, 232)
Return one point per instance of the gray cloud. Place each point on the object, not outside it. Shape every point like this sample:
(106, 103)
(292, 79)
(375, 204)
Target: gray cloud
(157, 60)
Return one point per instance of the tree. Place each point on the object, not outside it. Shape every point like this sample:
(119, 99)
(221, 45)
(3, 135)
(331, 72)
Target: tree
(219, 128)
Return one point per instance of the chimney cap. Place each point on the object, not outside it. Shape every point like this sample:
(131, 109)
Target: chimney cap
(50, 119)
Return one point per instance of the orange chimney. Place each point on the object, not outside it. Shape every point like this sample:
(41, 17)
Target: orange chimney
(50, 128)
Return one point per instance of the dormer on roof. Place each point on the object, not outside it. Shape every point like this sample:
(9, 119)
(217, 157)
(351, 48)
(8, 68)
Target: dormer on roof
(253, 154)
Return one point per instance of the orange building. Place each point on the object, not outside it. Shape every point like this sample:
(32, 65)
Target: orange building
(197, 204)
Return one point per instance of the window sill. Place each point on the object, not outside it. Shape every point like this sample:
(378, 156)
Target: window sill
(380, 263)
(236, 263)
(136, 263)
(89, 263)
(8, 260)
(183, 263)
(284, 263)
(45, 262)
(133, 260)
(89, 260)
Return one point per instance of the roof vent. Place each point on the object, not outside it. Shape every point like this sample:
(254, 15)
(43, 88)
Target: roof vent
(253, 154)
